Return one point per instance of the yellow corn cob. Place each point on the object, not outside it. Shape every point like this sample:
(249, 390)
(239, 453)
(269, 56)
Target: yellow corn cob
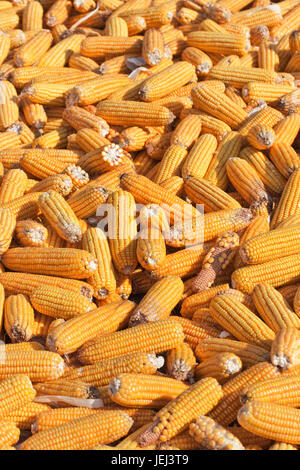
(100, 46)
(5, 45)
(288, 24)
(234, 95)
(68, 388)
(55, 417)
(131, 441)
(143, 338)
(18, 318)
(15, 391)
(288, 204)
(47, 162)
(53, 139)
(72, 334)
(37, 365)
(132, 113)
(287, 129)
(51, 94)
(9, 434)
(41, 325)
(283, 390)
(216, 42)
(102, 372)
(9, 111)
(32, 17)
(77, 61)
(60, 215)
(133, 138)
(258, 226)
(60, 53)
(247, 438)
(221, 366)
(103, 280)
(212, 102)
(171, 161)
(259, 34)
(93, 91)
(285, 158)
(217, 259)
(270, 420)
(78, 178)
(65, 262)
(198, 399)
(151, 248)
(59, 303)
(270, 93)
(235, 76)
(263, 115)
(267, 56)
(104, 427)
(25, 416)
(58, 12)
(175, 184)
(236, 318)
(199, 157)
(200, 191)
(7, 227)
(164, 82)
(87, 201)
(289, 293)
(153, 47)
(215, 223)
(141, 390)
(296, 301)
(199, 59)
(213, 436)
(122, 233)
(187, 131)
(285, 348)
(34, 114)
(34, 49)
(181, 362)
(61, 183)
(90, 139)
(261, 137)
(225, 411)
(271, 245)
(159, 301)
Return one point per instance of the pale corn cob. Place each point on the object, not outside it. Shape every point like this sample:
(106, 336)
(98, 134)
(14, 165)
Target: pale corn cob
(285, 158)
(198, 399)
(159, 301)
(151, 248)
(37, 365)
(60, 216)
(102, 321)
(288, 204)
(181, 362)
(141, 390)
(287, 129)
(18, 318)
(34, 49)
(102, 372)
(285, 348)
(270, 420)
(59, 303)
(66, 262)
(283, 390)
(213, 436)
(199, 157)
(9, 111)
(236, 318)
(25, 416)
(132, 113)
(221, 366)
(271, 245)
(216, 260)
(230, 146)
(93, 91)
(216, 42)
(164, 82)
(104, 427)
(7, 227)
(25, 283)
(169, 331)
(267, 172)
(212, 102)
(225, 411)
(122, 233)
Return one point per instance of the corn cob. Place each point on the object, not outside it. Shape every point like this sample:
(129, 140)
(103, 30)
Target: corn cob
(285, 348)
(141, 390)
(159, 301)
(25, 416)
(222, 367)
(66, 262)
(195, 331)
(271, 421)
(283, 390)
(18, 318)
(151, 248)
(98, 47)
(225, 411)
(104, 320)
(201, 299)
(198, 399)
(285, 158)
(170, 335)
(199, 157)
(288, 204)
(282, 446)
(15, 391)
(34, 49)
(213, 436)
(236, 318)
(287, 129)
(65, 387)
(181, 362)
(104, 427)
(9, 434)
(7, 227)
(200, 191)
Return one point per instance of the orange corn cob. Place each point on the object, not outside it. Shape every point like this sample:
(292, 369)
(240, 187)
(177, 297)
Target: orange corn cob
(195, 331)
(143, 338)
(9, 434)
(221, 366)
(287, 129)
(67, 388)
(151, 248)
(25, 416)
(9, 111)
(288, 204)
(181, 362)
(18, 318)
(285, 158)
(15, 391)
(200, 191)
(282, 446)
(201, 299)
(7, 227)
(159, 301)
(100, 46)
(72, 334)
(32, 17)
(216, 42)
(247, 438)
(87, 201)
(198, 399)
(283, 390)
(199, 157)
(236, 318)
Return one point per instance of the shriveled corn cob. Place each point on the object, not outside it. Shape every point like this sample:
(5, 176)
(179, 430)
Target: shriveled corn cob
(213, 436)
